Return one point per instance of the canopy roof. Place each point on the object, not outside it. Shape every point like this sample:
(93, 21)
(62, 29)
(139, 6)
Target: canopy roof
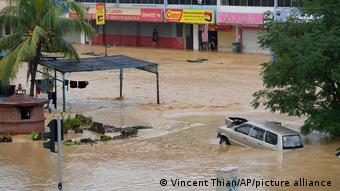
(22, 100)
(100, 63)
(97, 64)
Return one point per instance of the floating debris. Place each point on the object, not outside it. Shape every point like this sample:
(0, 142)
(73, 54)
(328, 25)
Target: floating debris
(198, 60)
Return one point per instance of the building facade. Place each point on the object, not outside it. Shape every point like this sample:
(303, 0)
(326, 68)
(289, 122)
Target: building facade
(181, 24)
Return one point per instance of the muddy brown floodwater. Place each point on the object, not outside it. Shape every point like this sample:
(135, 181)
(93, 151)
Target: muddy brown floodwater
(195, 99)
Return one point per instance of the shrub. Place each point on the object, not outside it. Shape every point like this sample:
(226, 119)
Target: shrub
(72, 123)
(84, 120)
(36, 136)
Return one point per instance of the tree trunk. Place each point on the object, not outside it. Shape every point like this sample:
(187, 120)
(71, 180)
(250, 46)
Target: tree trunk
(33, 73)
(34, 67)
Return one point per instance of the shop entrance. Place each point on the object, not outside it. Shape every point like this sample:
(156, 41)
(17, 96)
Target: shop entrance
(212, 40)
(207, 37)
(189, 37)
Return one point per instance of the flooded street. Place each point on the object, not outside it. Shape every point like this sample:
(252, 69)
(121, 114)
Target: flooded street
(195, 99)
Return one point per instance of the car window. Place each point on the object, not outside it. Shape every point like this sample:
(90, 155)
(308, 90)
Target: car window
(292, 142)
(257, 133)
(244, 129)
(271, 138)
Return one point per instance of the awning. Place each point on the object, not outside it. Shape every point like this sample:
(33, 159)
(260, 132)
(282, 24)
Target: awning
(100, 63)
(119, 62)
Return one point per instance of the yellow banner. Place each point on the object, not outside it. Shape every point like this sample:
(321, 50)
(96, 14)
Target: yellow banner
(190, 16)
(100, 14)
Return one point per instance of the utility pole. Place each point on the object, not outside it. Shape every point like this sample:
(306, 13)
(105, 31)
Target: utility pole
(56, 134)
(60, 152)
(104, 29)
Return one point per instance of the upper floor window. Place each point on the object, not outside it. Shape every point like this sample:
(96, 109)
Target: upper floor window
(258, 3)
(192, 2)
(284, 3)
(96, 1)
(124, 1)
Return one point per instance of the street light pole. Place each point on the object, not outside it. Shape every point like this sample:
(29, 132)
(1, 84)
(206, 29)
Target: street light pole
(60, 149)
(104, 28)
(87, 8)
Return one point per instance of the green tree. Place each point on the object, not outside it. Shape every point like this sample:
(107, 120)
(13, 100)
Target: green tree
(37, 26)
(304, 77)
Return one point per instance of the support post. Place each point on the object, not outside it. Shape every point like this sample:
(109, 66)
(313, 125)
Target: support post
(64, 96)
(121, 83)
(60, 150)
(104, 29)
(157, 86)
(55, 89)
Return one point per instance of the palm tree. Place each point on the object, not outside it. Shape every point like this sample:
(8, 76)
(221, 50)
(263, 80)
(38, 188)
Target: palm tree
(37, 26)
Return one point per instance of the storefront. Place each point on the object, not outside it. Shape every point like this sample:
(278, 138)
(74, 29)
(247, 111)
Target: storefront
(225, 35)
(194, 23)
(134, 27)
(247, 28)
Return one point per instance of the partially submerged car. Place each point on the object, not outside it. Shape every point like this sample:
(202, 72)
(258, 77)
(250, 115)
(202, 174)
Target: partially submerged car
(268, 134)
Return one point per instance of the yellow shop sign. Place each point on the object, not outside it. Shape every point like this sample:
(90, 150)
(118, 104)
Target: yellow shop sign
(100, 14)
(189, 16)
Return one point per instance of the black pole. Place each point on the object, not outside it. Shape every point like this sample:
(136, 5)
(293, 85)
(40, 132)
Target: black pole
(64, 95)
(55, 88)
(104, 29)
(157, 87)
(121, 83)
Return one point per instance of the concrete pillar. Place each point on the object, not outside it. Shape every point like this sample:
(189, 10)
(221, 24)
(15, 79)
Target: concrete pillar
(224, 175)
(238, 35)
(82, 38)
(195, 36)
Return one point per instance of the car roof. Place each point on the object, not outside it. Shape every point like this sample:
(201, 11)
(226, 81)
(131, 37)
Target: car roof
(273, 127)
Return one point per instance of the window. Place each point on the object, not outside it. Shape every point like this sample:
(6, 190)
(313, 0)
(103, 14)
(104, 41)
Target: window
(259, 3)
(284, 3)
(25, 113)
(257, 133)
(292, 142)
(193, 2)
(125, 1)
(244, 129)
(271, 138)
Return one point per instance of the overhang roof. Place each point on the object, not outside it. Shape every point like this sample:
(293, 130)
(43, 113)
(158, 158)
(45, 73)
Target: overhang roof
(22, 100)
(100, 63)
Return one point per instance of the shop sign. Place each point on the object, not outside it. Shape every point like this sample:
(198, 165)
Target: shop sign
(127, 14)
(240, 18)
(189, 16)
(214, 27)
(100, 14)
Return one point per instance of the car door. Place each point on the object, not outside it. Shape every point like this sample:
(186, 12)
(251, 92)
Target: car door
(256, 137)
(240, 134)
(271, 141)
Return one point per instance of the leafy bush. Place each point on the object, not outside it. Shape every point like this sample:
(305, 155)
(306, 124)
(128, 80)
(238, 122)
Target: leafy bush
(105, 138)
(6, 138)
(72, 123)
(36, 136)
(84, 120)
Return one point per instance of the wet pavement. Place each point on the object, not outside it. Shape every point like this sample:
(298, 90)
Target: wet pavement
(195, 98)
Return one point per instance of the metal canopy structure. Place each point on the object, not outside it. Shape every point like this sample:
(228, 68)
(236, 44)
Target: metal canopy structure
(115, 62)
(99, 63)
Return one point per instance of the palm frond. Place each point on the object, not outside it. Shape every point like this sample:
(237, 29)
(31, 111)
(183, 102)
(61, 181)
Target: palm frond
(76, 7)
(8, 66)
(75, 25)
(38, 35)
(61, 45)
(10, 41)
